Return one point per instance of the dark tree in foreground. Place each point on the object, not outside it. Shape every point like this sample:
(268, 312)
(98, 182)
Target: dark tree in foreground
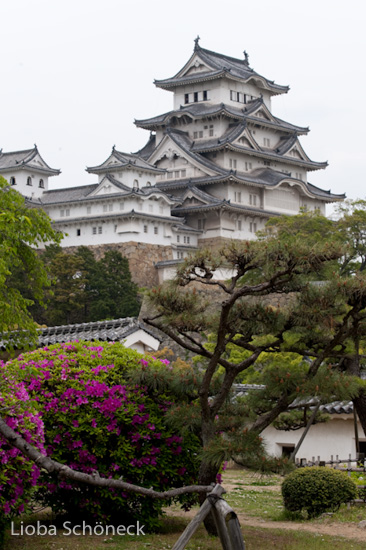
(270, 303)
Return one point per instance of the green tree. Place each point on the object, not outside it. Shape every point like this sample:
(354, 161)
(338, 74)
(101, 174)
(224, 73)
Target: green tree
(23, 229)
(349, 230)
(112, 292)
(66, 300)
(249, 312)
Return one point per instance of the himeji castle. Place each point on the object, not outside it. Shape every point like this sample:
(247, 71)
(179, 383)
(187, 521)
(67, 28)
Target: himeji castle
(215, 167)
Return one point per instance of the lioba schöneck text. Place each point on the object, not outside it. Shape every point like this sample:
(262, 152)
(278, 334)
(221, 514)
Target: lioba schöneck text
(40, 529)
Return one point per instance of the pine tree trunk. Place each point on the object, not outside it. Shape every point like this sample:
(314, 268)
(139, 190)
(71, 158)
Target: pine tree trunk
(207, 475)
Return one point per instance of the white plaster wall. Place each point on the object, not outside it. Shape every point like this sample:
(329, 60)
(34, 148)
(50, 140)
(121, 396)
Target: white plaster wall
(31, 191)
(129, 177)
(335, 437)
(115, 231)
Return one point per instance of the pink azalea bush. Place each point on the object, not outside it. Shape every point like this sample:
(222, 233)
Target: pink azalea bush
(96, 420)
(18, 475)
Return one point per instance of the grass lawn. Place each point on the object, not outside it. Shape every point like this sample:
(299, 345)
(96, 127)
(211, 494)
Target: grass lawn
(250, 495)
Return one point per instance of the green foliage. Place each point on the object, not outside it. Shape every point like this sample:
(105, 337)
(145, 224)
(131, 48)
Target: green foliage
(317, 490)
(22, 230)
(84, 289)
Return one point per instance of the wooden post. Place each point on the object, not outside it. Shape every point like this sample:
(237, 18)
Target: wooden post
(232, 523)
(197, 520)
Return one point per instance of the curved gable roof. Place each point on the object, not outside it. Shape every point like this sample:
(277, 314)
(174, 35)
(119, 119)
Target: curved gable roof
(218, 66)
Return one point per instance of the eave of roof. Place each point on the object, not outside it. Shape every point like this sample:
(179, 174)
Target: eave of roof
(20, 160)
(221, 66)
(117, 215)
(204, 110)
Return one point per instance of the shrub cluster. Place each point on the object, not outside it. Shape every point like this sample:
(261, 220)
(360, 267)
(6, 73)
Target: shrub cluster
(317, 490)
(95, 420)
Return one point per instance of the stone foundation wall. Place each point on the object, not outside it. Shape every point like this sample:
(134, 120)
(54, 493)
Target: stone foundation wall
(141, 257)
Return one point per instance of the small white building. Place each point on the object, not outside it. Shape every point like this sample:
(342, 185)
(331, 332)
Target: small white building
(336, 437)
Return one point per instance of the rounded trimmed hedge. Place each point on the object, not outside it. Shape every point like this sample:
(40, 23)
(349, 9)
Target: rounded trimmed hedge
(96, 420)
(317, 490)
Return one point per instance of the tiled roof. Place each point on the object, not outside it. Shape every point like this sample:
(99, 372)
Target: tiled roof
(68, 194)
(221, 65)
(17, 160)
(84, 192)
(114, 330)
(336, 407)
(148, 148)
(122, 161)
(202, 110)
(261, 177)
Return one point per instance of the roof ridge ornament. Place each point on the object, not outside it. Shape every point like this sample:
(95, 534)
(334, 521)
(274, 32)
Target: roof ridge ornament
(246, 58)
(196, 42)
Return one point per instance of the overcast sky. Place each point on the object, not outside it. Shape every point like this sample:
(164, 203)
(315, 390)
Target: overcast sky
(76, 73)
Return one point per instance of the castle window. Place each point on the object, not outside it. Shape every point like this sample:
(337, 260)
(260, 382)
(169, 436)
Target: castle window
(183, 173)
(253, 200)
(266, 163)
(248, 165)
(136, 184)
(78, 232)
(195, 97)
(211, 130)
(145, 228)
(238, 225)
(88, 209)
(178, 238)
(201, 223)
(67, 212)
(29, 180)
(41, 184)
(237, 196)
(148, 184)
(62, 213)
(253, 227)
(205, 95)
(232, 163)
(156, 230)
(105, 207)
(12, 181)
(94, 230)
(266, 142)
(100, 229)
(195, 135)
(186, 98)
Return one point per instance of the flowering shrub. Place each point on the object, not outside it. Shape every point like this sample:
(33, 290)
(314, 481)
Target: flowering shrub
(18, 475)
(95, 420)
